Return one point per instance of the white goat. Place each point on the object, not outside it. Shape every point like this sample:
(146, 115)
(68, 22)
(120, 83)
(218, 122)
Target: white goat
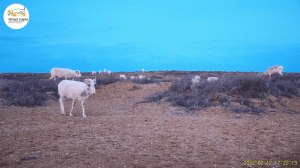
(110, 73)
(143, 70)
(76, 91)
(61, 72)
(100, 72)
(274, 69)
(133, 77)
(141, 77)
(210, 79)
(123, 77)
(94, 72)
(105, 71)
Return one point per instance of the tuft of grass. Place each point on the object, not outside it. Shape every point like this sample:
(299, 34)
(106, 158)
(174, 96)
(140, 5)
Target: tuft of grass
(146, 80)
(106, 80)
(134, 87)
(155, 97)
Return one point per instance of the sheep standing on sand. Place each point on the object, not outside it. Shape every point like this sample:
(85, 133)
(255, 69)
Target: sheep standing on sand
(62, 72)
(109, 73)
(105, 71)
(76, 91)
(274, 69)
(94, 72)
(211, 79)
(123, 77)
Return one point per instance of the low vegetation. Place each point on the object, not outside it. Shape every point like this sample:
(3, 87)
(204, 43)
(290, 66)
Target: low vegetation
(152, 79)
(105, 80)
(231, 91)
(27, 91)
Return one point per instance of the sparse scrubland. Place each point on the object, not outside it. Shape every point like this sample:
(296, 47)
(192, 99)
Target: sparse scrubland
(231, 91)
(148, 123)
(32, 90)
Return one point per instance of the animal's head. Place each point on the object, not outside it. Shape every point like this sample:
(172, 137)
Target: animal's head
(282, 67)
(78, 73)
(91, 85)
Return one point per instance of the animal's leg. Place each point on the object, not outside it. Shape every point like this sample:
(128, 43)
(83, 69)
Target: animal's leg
(62, 106)
(73, 104)
(83, 114)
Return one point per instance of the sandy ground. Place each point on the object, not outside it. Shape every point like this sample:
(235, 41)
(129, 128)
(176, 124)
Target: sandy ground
(118, 133)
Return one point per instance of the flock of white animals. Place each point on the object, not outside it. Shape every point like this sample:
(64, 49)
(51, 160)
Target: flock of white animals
(82, 90)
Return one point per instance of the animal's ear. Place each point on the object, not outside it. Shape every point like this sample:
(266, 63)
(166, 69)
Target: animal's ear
(87, 81)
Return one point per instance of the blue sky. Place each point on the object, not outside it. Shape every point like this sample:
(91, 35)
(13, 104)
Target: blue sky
(205, 35)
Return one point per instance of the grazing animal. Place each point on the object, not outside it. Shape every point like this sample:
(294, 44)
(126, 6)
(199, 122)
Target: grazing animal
(141, 77)
(123, 77)
(274, 69)
(133, 77)
(105, 71)
(100, 72)
(195, 80)
(211, 79)
(110, 73)
(143, 70)
(62, 72)
(94, 72)
(76, 91)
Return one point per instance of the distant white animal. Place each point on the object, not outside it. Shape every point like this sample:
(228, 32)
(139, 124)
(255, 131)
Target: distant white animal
(76, 91)
(100, 72)
(110, 73)
(195, 80)
(197, 77)
(94, 72)
(274, 69)
(105, 71)
(123, 77)
(141, 77)
(62, 72)
(143, 70)
(210, 79)
(133, 77)
(149, 78)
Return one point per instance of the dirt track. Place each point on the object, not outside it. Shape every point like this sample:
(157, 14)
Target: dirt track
(117, 133)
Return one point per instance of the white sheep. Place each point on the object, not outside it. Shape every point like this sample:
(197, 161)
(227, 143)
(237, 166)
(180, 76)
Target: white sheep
(210, 79)
(94, 72)
(105, 71)
(123, 77)
(197, 77)
(274, 69)
(133, 77)
(110, 73)
(143, 70)
(141, 77)
(195, 80)
(76, 91)
(62, 72)
(100, 72)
